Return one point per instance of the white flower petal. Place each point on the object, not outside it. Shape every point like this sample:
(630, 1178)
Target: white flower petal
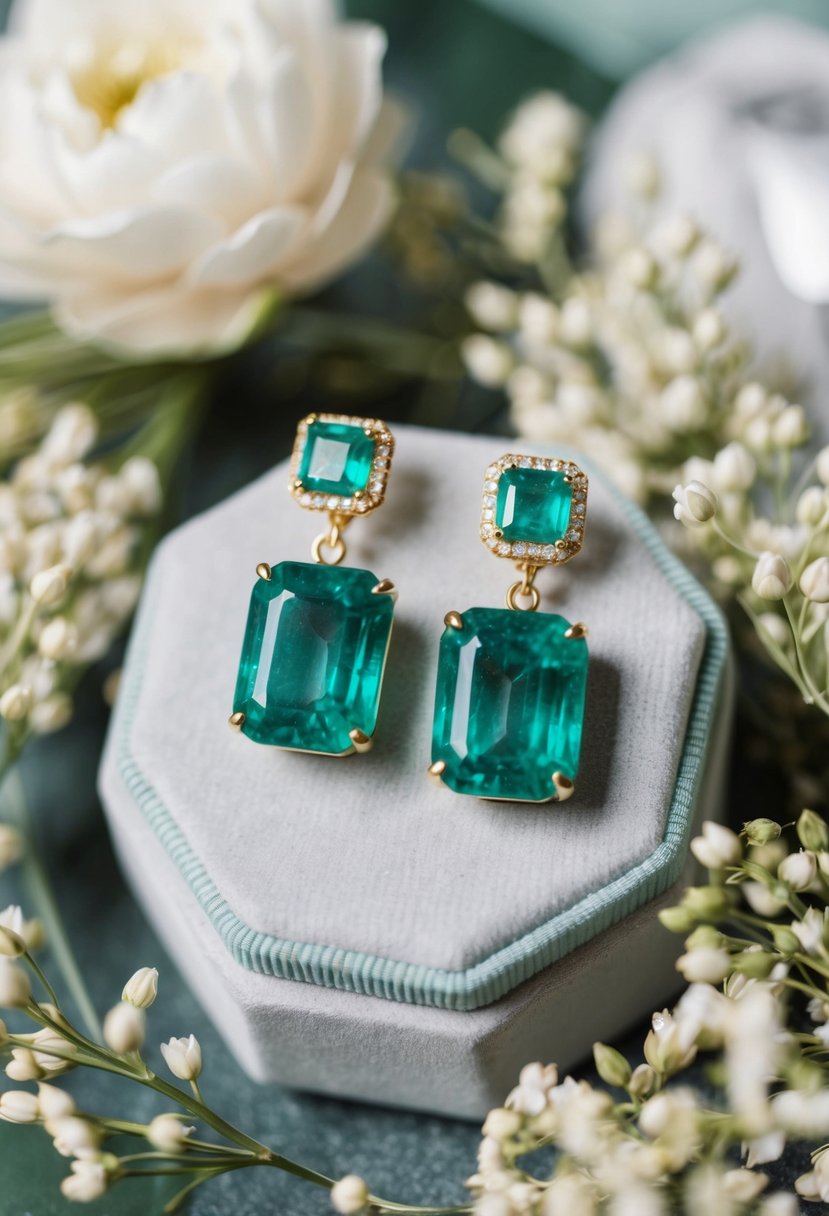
(224, 185)
(287, 120)
(254, 253)
(110, 176)
(141, 245)
(173, 320)
(364, 212)
(179, 115)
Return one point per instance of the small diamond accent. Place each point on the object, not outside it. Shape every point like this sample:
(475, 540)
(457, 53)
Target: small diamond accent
(504, 549)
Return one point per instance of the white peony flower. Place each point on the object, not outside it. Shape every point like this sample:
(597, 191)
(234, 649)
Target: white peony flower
(170, 164)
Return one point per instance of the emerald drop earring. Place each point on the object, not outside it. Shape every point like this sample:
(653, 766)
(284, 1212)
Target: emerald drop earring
(317, 634)
(511, 681)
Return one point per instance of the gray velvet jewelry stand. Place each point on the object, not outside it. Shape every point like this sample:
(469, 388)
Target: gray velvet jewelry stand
(351, 928)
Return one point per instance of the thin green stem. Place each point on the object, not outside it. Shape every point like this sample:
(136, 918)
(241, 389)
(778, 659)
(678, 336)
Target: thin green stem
(41, 893)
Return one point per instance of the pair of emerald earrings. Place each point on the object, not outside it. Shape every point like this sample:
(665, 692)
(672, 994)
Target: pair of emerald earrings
(511, 681)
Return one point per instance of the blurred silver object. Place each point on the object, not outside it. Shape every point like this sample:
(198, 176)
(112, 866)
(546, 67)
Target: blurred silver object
(740, 125)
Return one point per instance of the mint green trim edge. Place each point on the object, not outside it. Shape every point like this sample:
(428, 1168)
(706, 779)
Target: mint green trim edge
(499, 973)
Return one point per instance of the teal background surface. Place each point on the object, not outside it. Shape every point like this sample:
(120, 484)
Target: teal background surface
(457, 63)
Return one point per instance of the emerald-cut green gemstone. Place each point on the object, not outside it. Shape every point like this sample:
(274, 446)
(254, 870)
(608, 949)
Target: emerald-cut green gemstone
(533, 505)
(509, 704)
(336, 458)
(313, 657)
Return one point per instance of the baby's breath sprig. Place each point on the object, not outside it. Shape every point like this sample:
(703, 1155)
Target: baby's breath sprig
(93, 1143)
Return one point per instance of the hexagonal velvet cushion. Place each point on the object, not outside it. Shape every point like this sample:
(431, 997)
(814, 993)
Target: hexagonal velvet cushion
(352, 927)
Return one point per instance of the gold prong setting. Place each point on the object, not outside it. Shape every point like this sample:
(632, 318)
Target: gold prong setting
(453, 620)
(264, 571)
(563, 786)
(557, 550)
(360, 741)
(436, 772)
(237, 720)
(577, 630)
(362, 501)
(386, 587)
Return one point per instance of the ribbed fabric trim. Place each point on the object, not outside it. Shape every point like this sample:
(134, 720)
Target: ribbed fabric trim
(494, 976)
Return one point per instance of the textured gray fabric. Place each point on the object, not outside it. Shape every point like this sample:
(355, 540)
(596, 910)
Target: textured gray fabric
(365, 853)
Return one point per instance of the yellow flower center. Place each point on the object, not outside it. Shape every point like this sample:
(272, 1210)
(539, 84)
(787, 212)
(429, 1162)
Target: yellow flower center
(112, 78)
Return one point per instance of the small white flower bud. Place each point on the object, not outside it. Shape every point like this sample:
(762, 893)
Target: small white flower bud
(58, 639)
(814, 581)
(683, 404)
(772, 578)
(813, 831)
(183, 1057)
(780, 1203)
(717, 847)
(501, 1124)
(51, 714)
(349, 1196)
(15, 702)
(743, 1185)
(708, 965)
(576, 323)
(74, 1136)
(167, 1133)
(492, 306)
(487, 361)
(80, 538)
(709, 329)
(11, 846)
(798, 870)
(15, 989)
(677, 352)
(49, 586)
(751, 400)
(640, 268)
(124, 1028)
(611, 1065)
(642, 1081)
(757, 434)
(695, 504)
(140, 476)
(728, 569)
(538, 319)
(791, 428)
(713, 265)
(822, 465)
(677, 235)
(72, 434)
(141, 988)
(87, 1182)
(775, 628)
(18, 1106)
(23, 1066)
(734, 468)
(54, 1103)
(44, 1046)
(811, 506)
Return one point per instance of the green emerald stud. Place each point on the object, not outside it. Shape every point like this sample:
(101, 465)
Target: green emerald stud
(341, 464)
(534, 509)
(317, 634)
(511, 684)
